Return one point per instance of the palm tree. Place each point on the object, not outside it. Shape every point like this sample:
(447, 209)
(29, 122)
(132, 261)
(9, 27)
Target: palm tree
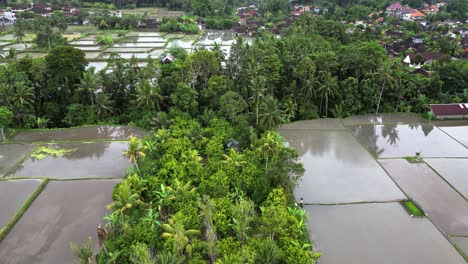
(176, 230)
(135, 152)
(269, 253)
(124, 198)
(112, 257)
(269, 144)
(23, 95)
(270, 116)
(258, 87)
(166, 257)
(89, 84)
(147, 96)
(234, 159)
(103, 106)
(328, 88)
(19, 29)
(385, 73)
(83, 254)
(152, 218)
(10, 56)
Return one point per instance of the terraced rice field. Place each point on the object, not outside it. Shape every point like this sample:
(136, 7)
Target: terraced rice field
(356, 174)
(42, 221)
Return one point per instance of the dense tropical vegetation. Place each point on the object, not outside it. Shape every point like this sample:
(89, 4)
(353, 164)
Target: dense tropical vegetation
(212, 182)
(193, 199)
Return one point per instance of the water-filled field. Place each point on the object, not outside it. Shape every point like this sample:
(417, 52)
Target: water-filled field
(338, 169)
(377, 233)
(11, 154)
(13, 194)
(80, 160)
(454, 171)
(393, 140)
(447, 208)
(456, 129)
(66, 211)
(88, 133)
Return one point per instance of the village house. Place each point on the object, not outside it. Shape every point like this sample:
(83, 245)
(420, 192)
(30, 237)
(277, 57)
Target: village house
(43, 9)
(417, 60)
(69, 11)
(20, 8)
(404, 12)
(450, 111)
(6, 19)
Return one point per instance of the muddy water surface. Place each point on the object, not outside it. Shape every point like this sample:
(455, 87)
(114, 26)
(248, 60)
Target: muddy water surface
(462, 244)
(447, 208)
(316, 124)
(13, 194)
(454, 171)
(385, 118)
(11, 154)
(87, 160)
(80, 134)
(389, 141)
(456, 129)
(338, 169)
(377, 233)
(66, 211)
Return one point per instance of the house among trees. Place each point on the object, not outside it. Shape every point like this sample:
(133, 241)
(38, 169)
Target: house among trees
(20, 8)
(43, 9)
(450, 111)
(416, 60)
(69, 11)
(404, 12)
(6, 19)
(168, 58)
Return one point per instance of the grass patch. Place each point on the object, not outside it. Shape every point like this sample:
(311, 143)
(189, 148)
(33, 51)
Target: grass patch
(4, 231)
(414, 159)
(43, 152)
(413, 209)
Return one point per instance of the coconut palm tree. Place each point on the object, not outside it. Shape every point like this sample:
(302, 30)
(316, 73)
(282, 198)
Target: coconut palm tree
(385, 74)
(258, 87)
(83, 254)
(125, 198)
(328, 88)
(148, 96)
(175, 229)
(269, 253)
(89, 83)
(23, 95)
(103, 106)
(135, 152)
(271, 115)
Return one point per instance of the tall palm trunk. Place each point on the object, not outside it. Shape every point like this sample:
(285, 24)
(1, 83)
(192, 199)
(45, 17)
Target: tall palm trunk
(380, 96)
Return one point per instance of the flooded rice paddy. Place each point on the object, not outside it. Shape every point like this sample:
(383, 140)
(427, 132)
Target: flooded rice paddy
(446, 207)
(462, 244)
(13, 194)
(316, 124)
(381, 233)
(454, 171)
(393, 140)
(456, 129)
(341, 169)
(338, 169)
(65, 211)
(89, 133)
(84, 160)
(11, 154)
(379, 119)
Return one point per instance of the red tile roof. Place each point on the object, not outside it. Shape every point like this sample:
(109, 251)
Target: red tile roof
(450, 109)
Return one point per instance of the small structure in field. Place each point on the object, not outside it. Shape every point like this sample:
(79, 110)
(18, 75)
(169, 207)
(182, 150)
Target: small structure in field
(450, 111)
